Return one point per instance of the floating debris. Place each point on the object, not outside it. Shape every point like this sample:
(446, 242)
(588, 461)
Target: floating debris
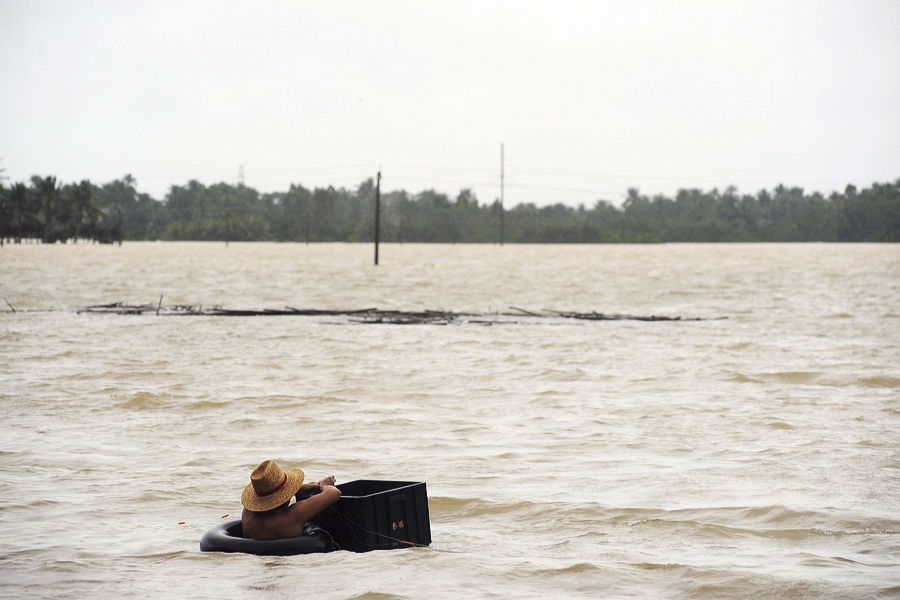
(375, 316)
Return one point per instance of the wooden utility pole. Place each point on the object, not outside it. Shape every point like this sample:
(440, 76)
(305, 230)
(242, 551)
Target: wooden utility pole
(502, 224)
(377, 214)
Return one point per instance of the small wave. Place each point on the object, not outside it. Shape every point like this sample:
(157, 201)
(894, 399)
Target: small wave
(742, 378)
(657, 566)
(555, 374)
(817, 378)
(146, 400)
(377, 596)
(804, 523)
(773, 522)
(472, 507)
(714, 583)
(881, 381)
(287, 401)
(271, 401)
(163, 556)
(793, 376)
(801, 534)
(147, 497)
(890, 462)
(577, 568)
(153, 400)
(204, 404)
(778, 514)
(828, 561)
(511, 455)
(243, 422)
(469, 429)
(740, 346)
(200, 462)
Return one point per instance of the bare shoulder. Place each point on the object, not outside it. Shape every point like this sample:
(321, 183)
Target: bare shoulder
(269, 525)
(250, 524)
(289, 522)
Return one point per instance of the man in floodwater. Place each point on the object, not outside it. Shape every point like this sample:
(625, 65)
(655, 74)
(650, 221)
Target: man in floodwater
(268, 513)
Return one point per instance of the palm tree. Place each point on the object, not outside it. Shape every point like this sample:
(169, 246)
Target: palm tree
(48, 200)
(84, 211)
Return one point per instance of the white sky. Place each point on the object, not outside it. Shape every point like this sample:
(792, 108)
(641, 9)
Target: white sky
(588, 97)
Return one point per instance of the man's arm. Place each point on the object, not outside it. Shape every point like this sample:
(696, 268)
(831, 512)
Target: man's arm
(308, 489)
(303, 511)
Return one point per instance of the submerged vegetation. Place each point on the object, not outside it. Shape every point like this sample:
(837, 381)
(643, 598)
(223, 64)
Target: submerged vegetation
(49, 211)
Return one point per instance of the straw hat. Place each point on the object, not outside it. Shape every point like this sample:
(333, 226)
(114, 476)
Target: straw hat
(270, 486)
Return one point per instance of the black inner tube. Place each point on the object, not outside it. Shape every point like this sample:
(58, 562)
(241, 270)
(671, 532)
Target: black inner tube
(227, 537)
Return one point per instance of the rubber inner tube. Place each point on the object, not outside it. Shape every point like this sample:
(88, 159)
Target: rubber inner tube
(226, 537)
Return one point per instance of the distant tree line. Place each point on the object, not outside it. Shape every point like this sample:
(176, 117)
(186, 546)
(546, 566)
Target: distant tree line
(49, 211)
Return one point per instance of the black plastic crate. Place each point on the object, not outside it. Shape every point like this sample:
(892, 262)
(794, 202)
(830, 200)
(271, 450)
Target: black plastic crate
(378, 515)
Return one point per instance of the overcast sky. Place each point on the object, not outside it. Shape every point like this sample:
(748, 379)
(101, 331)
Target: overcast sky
(588, 97)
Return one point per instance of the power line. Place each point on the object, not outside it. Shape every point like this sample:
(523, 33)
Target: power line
(513, 176)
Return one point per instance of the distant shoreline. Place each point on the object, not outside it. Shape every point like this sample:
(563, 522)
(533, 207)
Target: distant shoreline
(116, 212)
